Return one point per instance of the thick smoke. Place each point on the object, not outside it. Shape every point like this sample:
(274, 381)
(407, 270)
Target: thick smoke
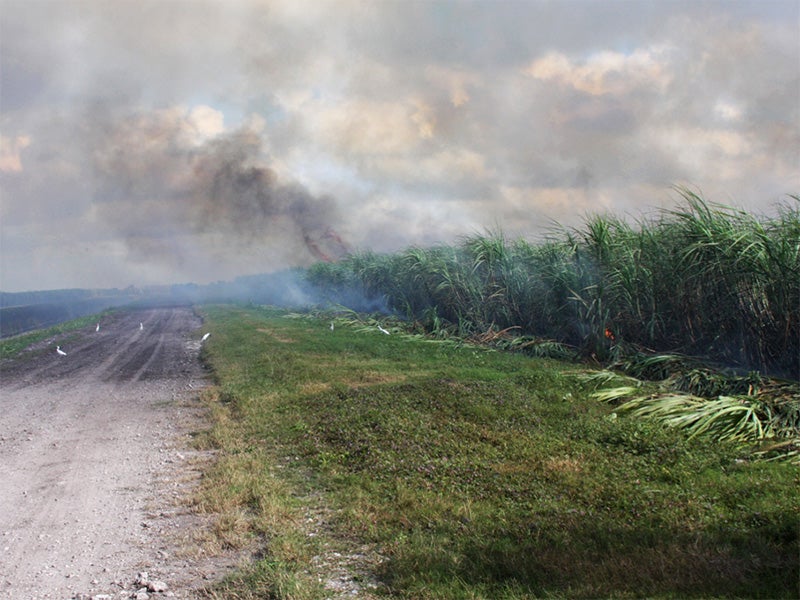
(154, 142)
(178, 190)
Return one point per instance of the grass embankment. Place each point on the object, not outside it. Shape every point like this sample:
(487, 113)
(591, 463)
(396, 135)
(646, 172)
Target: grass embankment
(458, 472)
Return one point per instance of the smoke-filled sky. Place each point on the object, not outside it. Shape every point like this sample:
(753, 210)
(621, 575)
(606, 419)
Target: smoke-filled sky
(168, 141)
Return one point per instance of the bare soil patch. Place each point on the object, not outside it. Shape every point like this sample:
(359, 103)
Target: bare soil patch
(96, 463)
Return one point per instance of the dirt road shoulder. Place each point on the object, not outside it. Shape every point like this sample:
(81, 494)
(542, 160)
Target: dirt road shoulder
(97, 462)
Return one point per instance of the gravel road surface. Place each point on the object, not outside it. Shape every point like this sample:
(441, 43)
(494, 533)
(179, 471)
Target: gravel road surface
(95, 461)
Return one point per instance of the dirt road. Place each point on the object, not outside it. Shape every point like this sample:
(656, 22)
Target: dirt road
(95, 464)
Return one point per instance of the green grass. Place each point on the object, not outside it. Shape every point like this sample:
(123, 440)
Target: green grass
(12, 346)
(471, 473)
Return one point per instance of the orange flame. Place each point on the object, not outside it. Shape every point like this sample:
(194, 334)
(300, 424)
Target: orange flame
(335, 246)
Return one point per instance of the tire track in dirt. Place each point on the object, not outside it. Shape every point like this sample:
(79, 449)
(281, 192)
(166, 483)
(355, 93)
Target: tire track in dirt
(92, 457)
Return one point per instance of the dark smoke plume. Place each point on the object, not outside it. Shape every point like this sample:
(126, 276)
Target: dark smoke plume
(158, 181)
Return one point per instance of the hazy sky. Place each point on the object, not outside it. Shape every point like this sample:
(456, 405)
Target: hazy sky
(180, 140)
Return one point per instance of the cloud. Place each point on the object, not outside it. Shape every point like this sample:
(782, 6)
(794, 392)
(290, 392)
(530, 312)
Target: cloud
(606, 72)
(10, 149)
(166, 141)
(364, 128)
(207, 123)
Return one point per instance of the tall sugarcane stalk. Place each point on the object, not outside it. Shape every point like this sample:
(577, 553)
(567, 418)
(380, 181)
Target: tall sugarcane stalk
(701, 279)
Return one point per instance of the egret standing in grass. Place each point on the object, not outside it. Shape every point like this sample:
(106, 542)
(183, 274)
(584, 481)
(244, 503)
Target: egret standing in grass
(383, 330)
(205, 337)
(60, 351)
(331, 325)
(97, 328)
(141, 326)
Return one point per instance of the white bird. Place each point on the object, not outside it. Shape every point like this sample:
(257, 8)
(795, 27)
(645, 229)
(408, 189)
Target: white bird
(331, 325)
(60, 351)
(141, 326)
(97, 328)
(205, 337)
(383, 330)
